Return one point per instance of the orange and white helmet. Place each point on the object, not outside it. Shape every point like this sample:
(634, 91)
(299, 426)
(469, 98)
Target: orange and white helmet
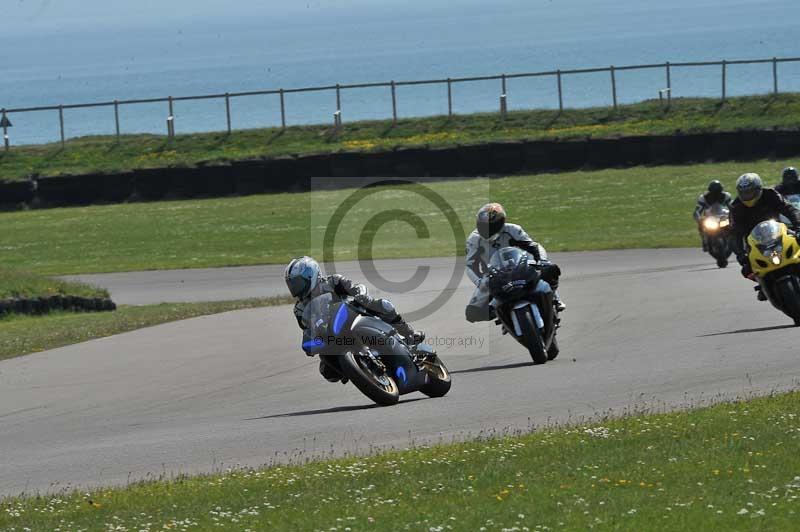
(490, 220)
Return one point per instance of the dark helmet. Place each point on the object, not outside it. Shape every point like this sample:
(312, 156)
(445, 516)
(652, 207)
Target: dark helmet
(790, 176)
(749, 187)
(302, 276)
(490, 220)
(715, 187)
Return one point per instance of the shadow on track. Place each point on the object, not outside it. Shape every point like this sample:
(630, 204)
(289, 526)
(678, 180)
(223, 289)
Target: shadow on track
(493, 368)
(331, 410)
(705, 269)
(745, 331)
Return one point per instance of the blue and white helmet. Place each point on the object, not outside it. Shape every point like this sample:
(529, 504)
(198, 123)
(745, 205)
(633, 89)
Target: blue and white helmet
(302, 276)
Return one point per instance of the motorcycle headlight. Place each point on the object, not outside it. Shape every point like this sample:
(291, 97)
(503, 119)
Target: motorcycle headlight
(711, 224)
(776, 259)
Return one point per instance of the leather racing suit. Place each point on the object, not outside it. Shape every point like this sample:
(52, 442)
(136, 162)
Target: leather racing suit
(480, 251)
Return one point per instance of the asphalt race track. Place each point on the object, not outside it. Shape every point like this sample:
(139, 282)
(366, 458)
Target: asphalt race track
(658, 328)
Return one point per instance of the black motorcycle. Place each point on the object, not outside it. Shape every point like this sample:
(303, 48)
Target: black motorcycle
(523, 302)
(716, 227)
(368, 352)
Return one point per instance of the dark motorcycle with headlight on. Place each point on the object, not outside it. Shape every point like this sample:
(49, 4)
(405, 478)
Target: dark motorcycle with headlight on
(523, 302)
(716, 226)
(369, 352)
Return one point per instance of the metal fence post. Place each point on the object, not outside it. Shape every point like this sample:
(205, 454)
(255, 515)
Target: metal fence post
(775, 75)
(449, 97)
(116, 117)
(394, 103)
(724, 78)
(61, 123)
(560, 94)
(228, 111)
(614, 87)
(669, 85)
(283, 111)
(170, 118)
(4, 120)
(337, 121)
(338, 97)
(503, 97)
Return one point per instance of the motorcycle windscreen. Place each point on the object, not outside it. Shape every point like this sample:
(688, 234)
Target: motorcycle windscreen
(507, 258)
(767, 235)
(317, 315)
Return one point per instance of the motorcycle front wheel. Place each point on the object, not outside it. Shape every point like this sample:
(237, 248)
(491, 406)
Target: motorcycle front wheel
(788, 292)
(531, 336)
(369, 379)
(438, 378)
(553, 350)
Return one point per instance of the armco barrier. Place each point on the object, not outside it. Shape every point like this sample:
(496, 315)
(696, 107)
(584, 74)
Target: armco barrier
(44, 305)
(293, 173)
(16, 193)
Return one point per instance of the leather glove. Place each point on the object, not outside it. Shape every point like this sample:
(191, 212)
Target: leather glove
(362, 299)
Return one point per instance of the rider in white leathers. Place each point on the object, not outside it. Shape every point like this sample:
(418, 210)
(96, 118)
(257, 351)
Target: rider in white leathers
(492, 233)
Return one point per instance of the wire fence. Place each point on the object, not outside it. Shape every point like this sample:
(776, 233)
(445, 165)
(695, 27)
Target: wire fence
(665, 94)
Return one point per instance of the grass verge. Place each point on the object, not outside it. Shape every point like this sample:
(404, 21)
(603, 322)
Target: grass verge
(20, 285)
(728, 467)
(21, 335)
(642, 207)
(105, 154)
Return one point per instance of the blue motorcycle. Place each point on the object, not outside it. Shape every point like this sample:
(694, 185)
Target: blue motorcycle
(368, 352)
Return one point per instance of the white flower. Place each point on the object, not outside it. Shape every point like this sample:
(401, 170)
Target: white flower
(742, 511)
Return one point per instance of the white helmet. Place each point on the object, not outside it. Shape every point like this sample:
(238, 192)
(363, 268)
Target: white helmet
(302, 276)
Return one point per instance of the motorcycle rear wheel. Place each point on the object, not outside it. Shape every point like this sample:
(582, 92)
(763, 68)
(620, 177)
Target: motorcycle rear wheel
(531, 336)
(438, 378)
(381, 389)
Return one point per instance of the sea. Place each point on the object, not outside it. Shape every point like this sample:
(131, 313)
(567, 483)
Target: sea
(45, 62)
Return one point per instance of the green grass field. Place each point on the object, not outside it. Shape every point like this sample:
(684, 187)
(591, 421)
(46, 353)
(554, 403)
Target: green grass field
(104, 154)
(639, 207)
(21, 335)
(16, 284)
(733, 466)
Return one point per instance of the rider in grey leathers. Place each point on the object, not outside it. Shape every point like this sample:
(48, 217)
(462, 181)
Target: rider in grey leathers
(492, 233)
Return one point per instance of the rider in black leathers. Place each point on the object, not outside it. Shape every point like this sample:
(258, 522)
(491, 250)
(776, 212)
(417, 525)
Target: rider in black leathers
(790, 182)
(754, 205)
(715, 194)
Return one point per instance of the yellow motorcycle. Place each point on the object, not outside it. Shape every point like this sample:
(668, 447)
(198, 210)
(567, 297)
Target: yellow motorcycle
(774, 255)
